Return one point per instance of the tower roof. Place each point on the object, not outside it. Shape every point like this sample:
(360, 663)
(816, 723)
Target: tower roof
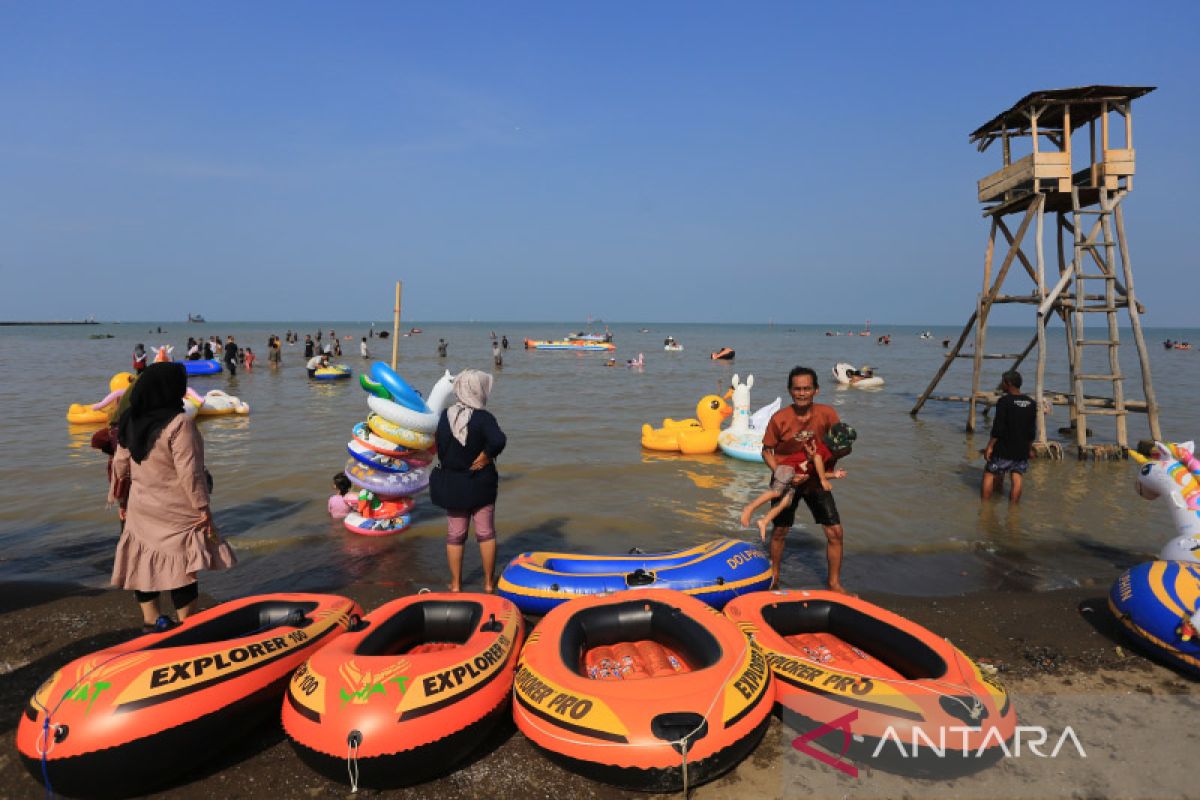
(1085, 102)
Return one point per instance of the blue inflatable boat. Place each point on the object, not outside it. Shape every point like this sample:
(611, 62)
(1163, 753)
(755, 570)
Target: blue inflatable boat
(1159, 604)
(714, 572)
(208, 366)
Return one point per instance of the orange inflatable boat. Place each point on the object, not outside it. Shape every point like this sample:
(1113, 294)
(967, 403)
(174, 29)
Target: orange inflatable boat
(899, 688)
(411, 692)
(132, 717)
(628, 688)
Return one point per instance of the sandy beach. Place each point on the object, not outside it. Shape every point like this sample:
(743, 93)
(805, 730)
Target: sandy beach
(1056, 652)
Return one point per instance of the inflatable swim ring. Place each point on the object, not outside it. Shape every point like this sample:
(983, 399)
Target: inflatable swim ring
(371, 387)
(335, 372)
(842, 374)
(371, 506)
(202, 367)
(136, 715)
(714, 572)
(404, 417)
(365, 437)
(376, 526)
(375, 460)
(387, 484)
(401, 393)
(421, 422)
(1158, 603)
(626, 688)
(413, 440)
(422, 682)
(834, 655)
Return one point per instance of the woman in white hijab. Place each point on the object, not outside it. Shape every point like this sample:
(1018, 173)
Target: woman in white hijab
(465, 481)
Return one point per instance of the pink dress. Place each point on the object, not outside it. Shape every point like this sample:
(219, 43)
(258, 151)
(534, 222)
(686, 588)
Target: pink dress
(163, 545)
(340, 505)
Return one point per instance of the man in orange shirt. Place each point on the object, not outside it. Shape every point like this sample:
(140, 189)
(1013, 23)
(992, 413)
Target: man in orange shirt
(782, 438)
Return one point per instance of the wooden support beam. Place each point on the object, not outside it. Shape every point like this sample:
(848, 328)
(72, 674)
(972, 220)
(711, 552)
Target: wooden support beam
(985, 301)
(992, 355)
(1054, 398)
(1039, 336)
(1020, 253)
(396, 328)
(1135, 323)
(949, 359)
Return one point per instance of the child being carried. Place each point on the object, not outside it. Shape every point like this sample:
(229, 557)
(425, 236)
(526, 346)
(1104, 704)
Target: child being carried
(791, 474)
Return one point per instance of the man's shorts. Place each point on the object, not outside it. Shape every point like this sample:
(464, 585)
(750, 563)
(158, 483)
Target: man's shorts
(999, 466)
(819, 502)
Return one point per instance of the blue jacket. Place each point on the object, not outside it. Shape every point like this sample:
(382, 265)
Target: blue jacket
(453, 486)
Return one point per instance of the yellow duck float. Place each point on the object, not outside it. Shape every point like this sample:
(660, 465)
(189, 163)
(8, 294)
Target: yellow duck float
(691, 436)
(98, 413)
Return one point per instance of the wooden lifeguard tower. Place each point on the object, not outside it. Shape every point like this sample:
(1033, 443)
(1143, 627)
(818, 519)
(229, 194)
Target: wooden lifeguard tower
(1090, 230)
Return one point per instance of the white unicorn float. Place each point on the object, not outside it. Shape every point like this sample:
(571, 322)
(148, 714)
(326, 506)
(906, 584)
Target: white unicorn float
(848, 375)
(1174, 472)
(743, 438)
(214, 403)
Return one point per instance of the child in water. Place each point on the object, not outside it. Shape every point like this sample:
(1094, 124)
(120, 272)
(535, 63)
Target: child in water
(808, 464)
(248, 359)
(346, 499)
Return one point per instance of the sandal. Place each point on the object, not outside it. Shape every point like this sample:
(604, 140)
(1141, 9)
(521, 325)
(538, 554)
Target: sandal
(161, 625)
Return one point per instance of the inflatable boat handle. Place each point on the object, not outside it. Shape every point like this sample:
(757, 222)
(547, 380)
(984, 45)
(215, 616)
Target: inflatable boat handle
(297, 618)
(640, 577)
(491, 626)
(680, 728)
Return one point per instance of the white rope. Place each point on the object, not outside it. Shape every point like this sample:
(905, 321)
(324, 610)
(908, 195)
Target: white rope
(352, 763)
(684, 750)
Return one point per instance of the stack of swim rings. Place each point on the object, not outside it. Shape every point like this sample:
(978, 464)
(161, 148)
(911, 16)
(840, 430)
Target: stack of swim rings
(390, 453)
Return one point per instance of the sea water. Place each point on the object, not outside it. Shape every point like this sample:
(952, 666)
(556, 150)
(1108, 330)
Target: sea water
(574, 477)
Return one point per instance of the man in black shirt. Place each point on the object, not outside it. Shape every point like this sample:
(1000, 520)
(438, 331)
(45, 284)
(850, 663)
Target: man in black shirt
(231, 355)
(1013, 432)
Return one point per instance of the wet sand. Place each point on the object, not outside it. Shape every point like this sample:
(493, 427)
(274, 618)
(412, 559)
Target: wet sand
(1056, 652)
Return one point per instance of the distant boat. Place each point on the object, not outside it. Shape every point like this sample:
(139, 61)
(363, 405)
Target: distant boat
(195, 318)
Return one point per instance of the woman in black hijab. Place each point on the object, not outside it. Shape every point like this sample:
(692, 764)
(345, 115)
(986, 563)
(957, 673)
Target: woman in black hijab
(169, 534)
(154, 400)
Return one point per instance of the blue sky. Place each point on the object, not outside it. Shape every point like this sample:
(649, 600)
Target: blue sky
(728, 162)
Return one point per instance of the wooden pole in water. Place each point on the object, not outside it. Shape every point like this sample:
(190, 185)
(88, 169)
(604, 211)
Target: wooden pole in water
(396, 327)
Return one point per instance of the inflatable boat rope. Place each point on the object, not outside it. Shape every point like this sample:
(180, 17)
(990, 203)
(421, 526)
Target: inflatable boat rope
(46, 745)
(683, 741)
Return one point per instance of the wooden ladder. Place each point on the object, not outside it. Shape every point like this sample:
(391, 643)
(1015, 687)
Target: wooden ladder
(1099, 253)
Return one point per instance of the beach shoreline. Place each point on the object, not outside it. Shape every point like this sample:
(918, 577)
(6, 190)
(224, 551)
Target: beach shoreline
(1055, 649)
